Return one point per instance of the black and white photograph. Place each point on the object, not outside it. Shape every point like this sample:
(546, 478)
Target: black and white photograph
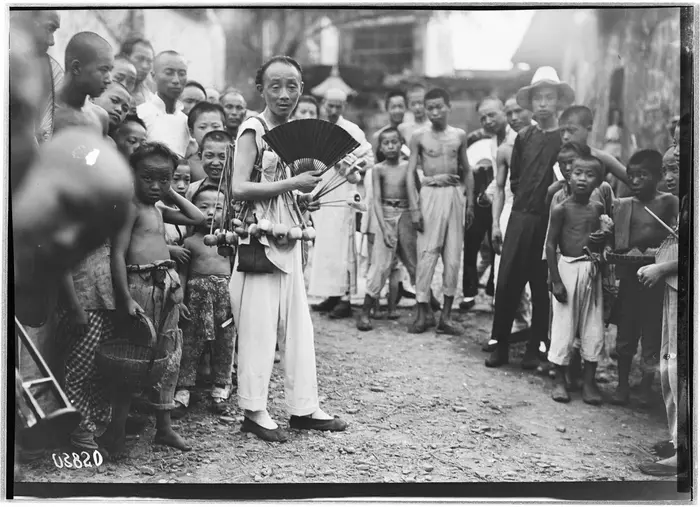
(273, 252)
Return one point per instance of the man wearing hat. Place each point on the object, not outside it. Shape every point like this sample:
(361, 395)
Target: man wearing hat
(334, 266)
(532, 171)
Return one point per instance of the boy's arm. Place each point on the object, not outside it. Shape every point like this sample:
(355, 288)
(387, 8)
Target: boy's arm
(184, 267)
(120, 245)
(377, 198)
(467, 178)
(188, 214)
(553, 189)
(611, 164)
(556, 218)
(499, 195)
(413, 197)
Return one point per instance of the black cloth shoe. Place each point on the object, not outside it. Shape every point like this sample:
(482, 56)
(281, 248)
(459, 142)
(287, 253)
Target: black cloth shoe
(664, 449)
(327, 305)
(467, 305)
(307, 423)
(497, 358)
(277, 435)
(341, 311)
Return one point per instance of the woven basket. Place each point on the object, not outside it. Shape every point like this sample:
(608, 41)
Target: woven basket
(132, 366)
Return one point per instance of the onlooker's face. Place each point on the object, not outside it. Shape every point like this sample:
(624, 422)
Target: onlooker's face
(305, 110)
(210, 203)
(181, 179)
(213, 96)
(152, 179)
(142, 58)
(115, 100)
(492, 117)
(171, 76)
(96, 75)
(45, 24)
(544, 102)
(677, 144)
(437, 110)
(396, 109)
(235, 109)
(281, 88)
(642, 181)
(573, 132)
(334, 108)
(191, 96)
(390, 145)
(124, 72)
(416, 103)
(565, 159)
(129, 137)
(205, 123)
(584, 177)
(214, 159)
(518, 118)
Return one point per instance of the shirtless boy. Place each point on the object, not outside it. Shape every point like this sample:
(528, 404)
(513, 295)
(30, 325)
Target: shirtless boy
(205, 117)
(639, 309)
(396, 236)
(575, 280)
(438, 213)
(206, 278)
(213, 151)
(146, 282)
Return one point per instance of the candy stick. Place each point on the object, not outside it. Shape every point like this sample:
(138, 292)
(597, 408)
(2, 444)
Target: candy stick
(661, 222)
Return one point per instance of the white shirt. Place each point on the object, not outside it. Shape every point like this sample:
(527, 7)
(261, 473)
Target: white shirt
(169, 129)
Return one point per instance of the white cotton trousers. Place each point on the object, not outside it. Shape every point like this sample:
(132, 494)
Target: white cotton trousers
(669, 360)
(266, 306)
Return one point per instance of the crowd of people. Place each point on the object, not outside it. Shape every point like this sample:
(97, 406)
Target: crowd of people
(526, 194)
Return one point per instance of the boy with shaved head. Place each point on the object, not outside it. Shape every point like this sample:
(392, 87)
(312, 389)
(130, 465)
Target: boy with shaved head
(165, 121)
(235, 109)
(115, 101)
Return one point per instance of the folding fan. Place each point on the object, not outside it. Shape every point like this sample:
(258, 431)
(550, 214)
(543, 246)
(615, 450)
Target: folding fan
(310, 144)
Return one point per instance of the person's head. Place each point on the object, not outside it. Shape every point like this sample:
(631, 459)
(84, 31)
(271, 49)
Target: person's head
(307, 108)
(193, 94)
(235, 109)
(213, 95)
(681, 137)
(205, 117)
(491, 115)
(586, 175)
(334, 103)
(129, 135)
(211, 203)
(669, 168)
(615, 117)
(390, 143)
(568, 153)
(518, 117)
(124, 72)
(116, 101)
(141, 54)
(545, 95)
(437, 104)
(181, 177)
(213, 151)
(76, 193)
(89, 61)
(644, 172)
(153, 165)
(279, 83)
(575, 124)
(416, 101)
(170, 74)
(41, 26)
(395, 104)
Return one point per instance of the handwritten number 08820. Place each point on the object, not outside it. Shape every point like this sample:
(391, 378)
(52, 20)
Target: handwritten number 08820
(77, 460)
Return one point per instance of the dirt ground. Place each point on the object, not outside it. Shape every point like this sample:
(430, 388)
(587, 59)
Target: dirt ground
(420, 408)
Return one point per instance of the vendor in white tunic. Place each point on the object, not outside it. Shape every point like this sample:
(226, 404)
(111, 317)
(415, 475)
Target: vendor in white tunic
(162, 113)
(334, 266)
(267, 303)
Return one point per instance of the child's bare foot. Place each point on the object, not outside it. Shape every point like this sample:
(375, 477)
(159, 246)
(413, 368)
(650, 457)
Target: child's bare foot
(591, 394)
(420, 325)
(560, 394)
(447, 326)
(168, 436)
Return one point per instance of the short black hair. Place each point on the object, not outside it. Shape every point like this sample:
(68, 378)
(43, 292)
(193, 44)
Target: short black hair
(205, 188)
(130, 118)
(196, 85)
(152, 149)
(182, 161)
(590, 159)
(279, 58)
(308, 99)
(387, 131)
(438, 93)
(416, 86)
(128, 45)
(582, 114)
(204, 107)
(394, 93)
(651, 160)
(487, 99)
(216, 136)
(582, 150)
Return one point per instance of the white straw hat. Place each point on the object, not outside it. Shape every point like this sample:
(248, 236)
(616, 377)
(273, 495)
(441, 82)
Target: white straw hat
(545, 76)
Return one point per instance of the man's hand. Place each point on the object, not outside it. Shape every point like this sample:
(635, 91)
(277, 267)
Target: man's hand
(469, 217)
(179, 254)
(418, 223)
(306, 202)
(79, 321)
(559, 291)
(390, 238)
(597, 237)
(185, 312)
(133, 308)
(607, 251)
(496, 239)
(650, 275)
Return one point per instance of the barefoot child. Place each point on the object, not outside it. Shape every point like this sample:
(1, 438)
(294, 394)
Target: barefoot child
(212, 155)
(393, 224)
(145, 281)
(639, 309)
(575, 280)
(206, 278)
(438, 213)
